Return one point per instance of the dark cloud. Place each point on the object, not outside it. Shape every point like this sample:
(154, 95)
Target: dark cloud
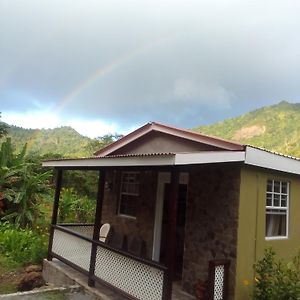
(180, 62)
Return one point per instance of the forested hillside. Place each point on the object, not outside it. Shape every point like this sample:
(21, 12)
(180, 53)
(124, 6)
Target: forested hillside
(64, 140)
(275, 127)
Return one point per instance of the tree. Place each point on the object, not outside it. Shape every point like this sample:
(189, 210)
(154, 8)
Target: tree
(3, 128)
(22, 188)
(102, 141)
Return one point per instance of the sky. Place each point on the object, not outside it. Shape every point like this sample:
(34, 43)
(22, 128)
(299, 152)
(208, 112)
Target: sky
(111, 66)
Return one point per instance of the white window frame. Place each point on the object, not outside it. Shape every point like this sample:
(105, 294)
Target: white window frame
(136, 194)
(278, 208)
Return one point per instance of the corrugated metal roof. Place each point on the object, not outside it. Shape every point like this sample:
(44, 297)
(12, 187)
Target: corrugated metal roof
(114, 156)
(274, 152)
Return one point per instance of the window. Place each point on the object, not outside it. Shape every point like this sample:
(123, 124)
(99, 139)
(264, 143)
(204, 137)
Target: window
(277, 204)
(130, 190)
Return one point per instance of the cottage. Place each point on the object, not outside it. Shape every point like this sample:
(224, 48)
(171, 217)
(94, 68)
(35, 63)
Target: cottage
(182, 207)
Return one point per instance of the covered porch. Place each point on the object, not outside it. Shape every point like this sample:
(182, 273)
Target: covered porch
(148, 275)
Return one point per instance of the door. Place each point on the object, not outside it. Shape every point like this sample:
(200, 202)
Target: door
(180, 228)
(163, 180)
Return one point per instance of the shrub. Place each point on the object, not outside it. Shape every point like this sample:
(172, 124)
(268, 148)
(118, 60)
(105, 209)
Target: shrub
(22, 245)
(276, 280)
(75, 208)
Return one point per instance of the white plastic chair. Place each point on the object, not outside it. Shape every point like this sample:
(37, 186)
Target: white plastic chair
(104, 230)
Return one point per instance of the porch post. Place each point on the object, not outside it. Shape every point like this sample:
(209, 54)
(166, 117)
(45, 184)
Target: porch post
(171, 243)
(59, 173)
(97, 225)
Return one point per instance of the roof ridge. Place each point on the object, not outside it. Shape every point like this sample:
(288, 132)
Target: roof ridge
(171, 130)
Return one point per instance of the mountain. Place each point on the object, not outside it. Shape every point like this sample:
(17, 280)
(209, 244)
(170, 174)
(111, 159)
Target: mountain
(275, 127)
(63, 140)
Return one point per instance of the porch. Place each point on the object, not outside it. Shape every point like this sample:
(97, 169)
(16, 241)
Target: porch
(149, 276)
(72, 269)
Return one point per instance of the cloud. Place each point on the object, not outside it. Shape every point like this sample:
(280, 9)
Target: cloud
(211, 95)
(90, 128)
(126, 63)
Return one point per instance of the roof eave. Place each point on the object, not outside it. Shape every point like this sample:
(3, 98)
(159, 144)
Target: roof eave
(273, 161)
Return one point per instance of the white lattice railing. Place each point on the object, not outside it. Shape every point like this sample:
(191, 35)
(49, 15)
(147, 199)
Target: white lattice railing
(218, 274)
(135, 277)
(219, 282)
(72, 248)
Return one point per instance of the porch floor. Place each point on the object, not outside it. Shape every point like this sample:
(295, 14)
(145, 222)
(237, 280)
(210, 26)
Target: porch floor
(58, 273)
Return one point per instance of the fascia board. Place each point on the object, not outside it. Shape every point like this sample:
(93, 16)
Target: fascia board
(198, 137)
(264, 159)
(208, 157)
(112, 162)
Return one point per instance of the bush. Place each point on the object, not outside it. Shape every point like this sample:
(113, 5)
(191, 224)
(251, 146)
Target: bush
(276, 280)
(75, 208)
(22, 245)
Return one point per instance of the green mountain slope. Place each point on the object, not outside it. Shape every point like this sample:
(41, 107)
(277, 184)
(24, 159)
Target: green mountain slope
(275, 127)
(64, 140)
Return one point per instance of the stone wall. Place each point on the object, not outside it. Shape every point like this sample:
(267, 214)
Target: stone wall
(143, 224)
(211, 222)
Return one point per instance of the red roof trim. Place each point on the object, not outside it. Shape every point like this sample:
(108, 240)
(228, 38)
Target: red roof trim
(182, 133)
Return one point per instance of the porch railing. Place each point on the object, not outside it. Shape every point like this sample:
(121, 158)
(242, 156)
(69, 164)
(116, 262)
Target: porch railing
(134, 277)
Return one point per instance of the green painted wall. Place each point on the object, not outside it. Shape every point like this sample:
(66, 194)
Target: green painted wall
(251, 230)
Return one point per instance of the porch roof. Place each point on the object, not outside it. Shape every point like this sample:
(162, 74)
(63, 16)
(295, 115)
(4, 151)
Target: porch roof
(153, 159)
(251, 156)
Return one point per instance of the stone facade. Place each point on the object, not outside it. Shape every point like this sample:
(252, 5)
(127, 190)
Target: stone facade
(211, 218)
(211, 222)
(143, 224)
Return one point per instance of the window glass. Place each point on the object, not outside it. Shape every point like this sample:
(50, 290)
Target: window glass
(130, 190)
(277, 198)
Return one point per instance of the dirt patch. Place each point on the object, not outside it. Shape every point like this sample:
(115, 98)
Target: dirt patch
(249, 132)
(9, 280)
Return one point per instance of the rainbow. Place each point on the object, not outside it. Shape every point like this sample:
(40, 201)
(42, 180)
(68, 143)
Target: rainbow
(106, 69)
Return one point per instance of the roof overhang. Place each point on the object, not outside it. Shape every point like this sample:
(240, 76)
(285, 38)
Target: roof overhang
(178, 159)
(251, 156)
(270, 160)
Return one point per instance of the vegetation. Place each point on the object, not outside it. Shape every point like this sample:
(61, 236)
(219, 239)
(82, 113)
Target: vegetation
(276, 280)
(64, 141)
(26, 192)
(275, 127)
(57, 142)
(3, 128)
(22, 245)
(22, 188)
(75, 208)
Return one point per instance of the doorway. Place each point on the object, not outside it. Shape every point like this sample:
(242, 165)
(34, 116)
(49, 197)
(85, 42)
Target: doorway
(180, 228)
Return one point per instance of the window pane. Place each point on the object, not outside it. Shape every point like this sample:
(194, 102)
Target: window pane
(283, 200)
(269, 199)
(284, 187)
(276, 200)
(275, 225)
(270, 186)
(129, 194)
(277, 186)
(128, 205)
